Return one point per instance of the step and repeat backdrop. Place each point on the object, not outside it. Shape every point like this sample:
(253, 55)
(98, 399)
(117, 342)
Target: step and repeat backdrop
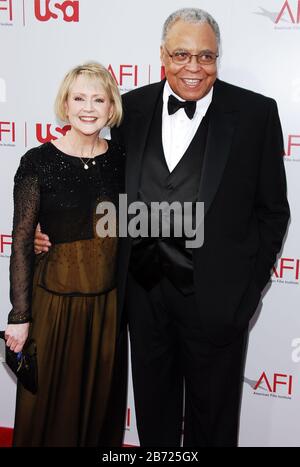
(41, 39)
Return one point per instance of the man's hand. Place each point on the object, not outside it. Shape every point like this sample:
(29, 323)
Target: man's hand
(41, 241)
(16, 336)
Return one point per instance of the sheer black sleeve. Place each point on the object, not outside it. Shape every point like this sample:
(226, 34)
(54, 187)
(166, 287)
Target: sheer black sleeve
(26, 211)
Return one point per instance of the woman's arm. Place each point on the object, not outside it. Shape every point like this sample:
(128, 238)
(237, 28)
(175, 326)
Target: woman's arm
(26, 212)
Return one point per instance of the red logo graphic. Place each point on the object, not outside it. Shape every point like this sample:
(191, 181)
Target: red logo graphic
(293, 142)
(5, 243)
(278, 380)
(7, 132)
(45, 134)
(69, 9)
(125, 72)
(293, 14)
(130, 76)
(287, 264)
(6, 6)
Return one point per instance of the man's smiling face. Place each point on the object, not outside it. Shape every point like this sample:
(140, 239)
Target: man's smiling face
(191, 81)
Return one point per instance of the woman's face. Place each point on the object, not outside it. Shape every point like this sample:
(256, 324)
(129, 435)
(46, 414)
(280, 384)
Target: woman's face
(88, 106)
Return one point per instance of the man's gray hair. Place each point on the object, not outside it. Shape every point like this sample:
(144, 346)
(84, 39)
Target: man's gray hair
(191, 15)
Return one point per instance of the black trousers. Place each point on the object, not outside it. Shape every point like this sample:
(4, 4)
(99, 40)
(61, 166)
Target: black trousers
(176, 371)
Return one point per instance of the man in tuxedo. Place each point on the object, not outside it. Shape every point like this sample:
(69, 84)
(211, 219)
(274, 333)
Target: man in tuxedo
(195, 138)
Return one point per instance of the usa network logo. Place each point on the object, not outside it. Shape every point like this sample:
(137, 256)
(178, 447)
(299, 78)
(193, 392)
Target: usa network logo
(46, 10)
(39, 10)
(287, 17)
(41, 132)
(45, 132)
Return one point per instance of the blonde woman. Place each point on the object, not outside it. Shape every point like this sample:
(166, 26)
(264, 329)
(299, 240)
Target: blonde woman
(66, 301)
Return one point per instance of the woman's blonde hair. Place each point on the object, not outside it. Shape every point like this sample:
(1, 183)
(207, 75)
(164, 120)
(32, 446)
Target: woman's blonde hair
(91, 70)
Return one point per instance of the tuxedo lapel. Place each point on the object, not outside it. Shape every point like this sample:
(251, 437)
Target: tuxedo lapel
(141, 116)
(222, 124)
(221, 129)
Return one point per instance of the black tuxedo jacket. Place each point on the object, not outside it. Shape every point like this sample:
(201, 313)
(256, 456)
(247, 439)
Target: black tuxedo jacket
(243, 187)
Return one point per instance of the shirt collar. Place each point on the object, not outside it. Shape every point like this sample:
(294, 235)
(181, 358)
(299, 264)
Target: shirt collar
(201, 106)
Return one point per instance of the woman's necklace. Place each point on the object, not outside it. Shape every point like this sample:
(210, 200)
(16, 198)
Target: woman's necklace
(87, 160)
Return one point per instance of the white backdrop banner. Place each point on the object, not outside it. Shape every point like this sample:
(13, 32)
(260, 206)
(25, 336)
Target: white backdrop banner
(41, 39)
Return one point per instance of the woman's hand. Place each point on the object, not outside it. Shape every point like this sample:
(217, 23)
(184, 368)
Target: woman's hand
(41, 241)
(16, 336)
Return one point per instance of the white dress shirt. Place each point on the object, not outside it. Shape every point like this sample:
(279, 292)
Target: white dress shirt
(177, 129)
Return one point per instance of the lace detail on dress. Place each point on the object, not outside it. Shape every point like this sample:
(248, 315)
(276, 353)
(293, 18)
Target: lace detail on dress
(26, 211)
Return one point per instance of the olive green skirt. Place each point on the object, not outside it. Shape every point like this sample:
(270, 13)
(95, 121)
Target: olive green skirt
(82, 373)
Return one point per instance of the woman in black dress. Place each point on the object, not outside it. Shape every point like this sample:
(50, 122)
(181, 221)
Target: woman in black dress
(68, 295)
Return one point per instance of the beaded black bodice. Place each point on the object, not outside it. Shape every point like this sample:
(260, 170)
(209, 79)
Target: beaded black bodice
(53, 188)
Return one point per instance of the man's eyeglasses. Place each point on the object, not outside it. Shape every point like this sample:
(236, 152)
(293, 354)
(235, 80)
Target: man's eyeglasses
(181, 57)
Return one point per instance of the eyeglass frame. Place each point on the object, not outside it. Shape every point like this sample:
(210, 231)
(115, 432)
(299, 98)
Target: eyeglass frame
(189, 55)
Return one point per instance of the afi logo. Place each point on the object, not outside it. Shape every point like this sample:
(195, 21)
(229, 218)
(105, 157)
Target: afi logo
(69, 9)
(272, 384)
(5, 243)
(6, 9)
(293, 143)
(46, 134)
(125, 73)
(288, 11)
(287, 264)
(7, 132)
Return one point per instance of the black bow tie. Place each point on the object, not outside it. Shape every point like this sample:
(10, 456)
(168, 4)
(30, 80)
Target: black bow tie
(175, 104)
